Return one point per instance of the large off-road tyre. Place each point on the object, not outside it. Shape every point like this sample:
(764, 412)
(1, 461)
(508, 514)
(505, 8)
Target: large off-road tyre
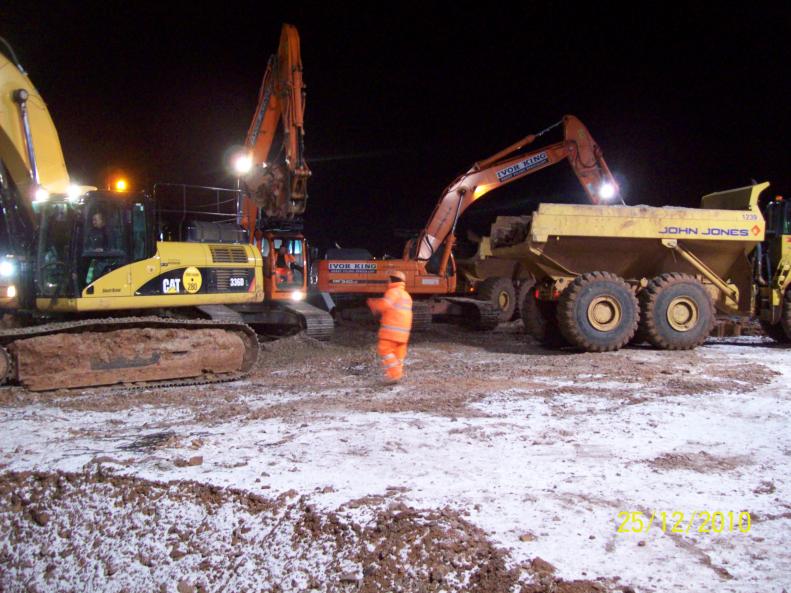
(639, 336)
(780, 332)
(526, 286)
(598, 312)
(785, 318)
(6, 366)
(501, 293)
(775, 331)
(677, 312)
(541, 321)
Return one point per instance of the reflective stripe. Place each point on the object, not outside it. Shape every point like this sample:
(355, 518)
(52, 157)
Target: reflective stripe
(391, 365)
(402, 308)
(386, 356)
(394, 328)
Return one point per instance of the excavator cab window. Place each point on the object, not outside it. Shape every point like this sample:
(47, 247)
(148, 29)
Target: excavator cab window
(289, 263)
(104, 238)
(55, 249)
(778, 218)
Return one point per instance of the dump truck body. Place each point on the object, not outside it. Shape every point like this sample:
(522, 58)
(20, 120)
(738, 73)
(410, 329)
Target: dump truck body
(564, 247)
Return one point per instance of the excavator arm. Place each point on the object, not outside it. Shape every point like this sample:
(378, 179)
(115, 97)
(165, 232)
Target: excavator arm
(29, 144)
(578, 147)
(277, 181)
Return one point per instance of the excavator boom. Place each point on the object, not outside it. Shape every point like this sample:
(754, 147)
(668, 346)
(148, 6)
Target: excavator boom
(29, 144)
(578, 147)
(277, 182)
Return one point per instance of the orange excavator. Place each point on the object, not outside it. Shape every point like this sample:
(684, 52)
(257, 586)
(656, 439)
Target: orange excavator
(428, 262)
(273, 179)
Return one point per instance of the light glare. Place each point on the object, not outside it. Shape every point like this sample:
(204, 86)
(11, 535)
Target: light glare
(607, 191)
(41, 195)
(73, 192)
(242, 164)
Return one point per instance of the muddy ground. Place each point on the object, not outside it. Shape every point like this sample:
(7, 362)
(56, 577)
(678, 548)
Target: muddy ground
(495, 466)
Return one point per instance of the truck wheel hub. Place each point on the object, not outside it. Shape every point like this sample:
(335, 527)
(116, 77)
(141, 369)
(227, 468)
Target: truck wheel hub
(503, 300)
(682, 314)
(604, 313)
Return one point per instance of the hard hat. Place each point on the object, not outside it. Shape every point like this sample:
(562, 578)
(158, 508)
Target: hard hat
(398, 274)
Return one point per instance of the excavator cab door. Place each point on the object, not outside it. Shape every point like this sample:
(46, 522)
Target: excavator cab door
(778, 232)
(289, 259)
(56, 249)
(104, 242)
(285, 265)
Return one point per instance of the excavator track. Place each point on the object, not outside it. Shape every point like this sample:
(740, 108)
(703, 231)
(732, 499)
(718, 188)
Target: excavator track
(479, 315)
(421, 316)
(287, 318)
(139, 352)
(318, 324)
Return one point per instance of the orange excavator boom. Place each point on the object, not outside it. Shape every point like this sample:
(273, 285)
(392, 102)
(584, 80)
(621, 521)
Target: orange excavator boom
(277, 181)
(578, 147)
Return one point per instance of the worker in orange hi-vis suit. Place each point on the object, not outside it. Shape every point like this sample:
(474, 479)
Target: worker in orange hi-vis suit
(394, 327)
(284, 264)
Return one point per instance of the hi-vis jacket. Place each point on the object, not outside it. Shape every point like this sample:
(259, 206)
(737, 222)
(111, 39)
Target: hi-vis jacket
(396, 310)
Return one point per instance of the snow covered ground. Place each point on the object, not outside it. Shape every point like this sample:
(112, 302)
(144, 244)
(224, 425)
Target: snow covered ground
(540, 451)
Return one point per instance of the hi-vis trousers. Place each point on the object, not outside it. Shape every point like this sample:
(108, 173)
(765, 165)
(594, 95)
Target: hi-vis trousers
(392, 355)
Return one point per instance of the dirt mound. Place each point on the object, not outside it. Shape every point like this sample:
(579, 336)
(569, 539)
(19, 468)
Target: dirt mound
(124, 533)
(701, 462)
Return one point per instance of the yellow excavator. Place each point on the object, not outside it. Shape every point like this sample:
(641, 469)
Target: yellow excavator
(92, 292)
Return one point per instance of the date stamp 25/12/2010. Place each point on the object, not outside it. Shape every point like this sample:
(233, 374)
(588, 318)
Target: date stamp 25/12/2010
(681, 522)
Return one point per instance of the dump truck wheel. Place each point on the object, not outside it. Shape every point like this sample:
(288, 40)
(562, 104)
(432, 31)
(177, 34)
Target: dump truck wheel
(501, 293)
(526, 286)
(541, 321)
(776, 331)
(785, 318)
(598, 312)
(678, 313)
(640, 337)
(6, 366)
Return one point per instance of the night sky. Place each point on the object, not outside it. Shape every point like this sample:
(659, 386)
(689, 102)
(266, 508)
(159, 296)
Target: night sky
(683, 102)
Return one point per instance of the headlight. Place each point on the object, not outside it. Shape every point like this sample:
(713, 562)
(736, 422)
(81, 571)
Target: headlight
(607, 191)
(10, 292)
(7, 269)
(41, 195)
(242, 164)
(74, 192)
(297, 295)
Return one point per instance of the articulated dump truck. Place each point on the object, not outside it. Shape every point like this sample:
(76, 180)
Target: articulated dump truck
(603, 276)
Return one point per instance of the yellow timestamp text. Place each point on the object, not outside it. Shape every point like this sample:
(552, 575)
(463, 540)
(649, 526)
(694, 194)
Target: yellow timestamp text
(681, 522)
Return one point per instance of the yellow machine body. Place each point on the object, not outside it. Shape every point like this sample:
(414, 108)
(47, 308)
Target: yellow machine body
(641, 242)
(178, 275)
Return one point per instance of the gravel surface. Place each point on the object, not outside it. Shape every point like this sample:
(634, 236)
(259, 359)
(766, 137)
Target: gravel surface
(495, 466)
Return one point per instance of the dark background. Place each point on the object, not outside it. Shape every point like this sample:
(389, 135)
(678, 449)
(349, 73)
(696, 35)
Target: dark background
(683, 101)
